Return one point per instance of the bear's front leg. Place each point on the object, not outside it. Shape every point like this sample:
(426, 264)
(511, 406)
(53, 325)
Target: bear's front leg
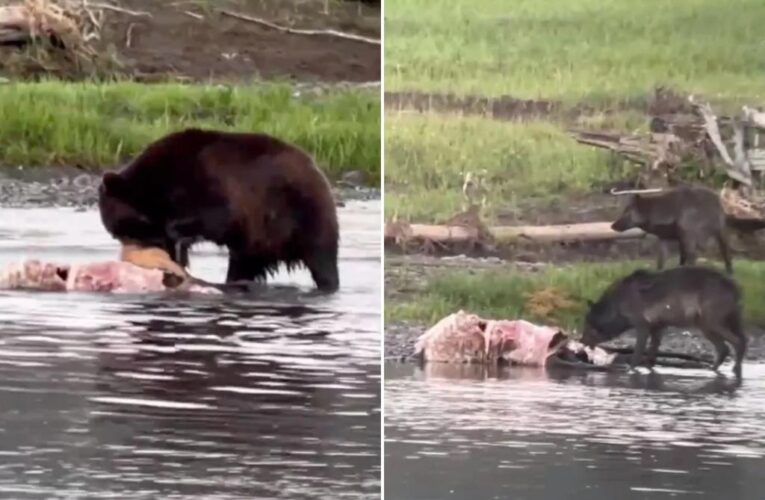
(248, 267)
(181, 234)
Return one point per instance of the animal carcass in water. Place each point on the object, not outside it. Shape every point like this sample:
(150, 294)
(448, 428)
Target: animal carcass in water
(107, 276)
(466, 338)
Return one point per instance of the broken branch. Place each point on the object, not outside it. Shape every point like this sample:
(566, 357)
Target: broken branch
(737, 170)
(263, 22)
(107, 6)
(129, 35)
(636, 191)
(194, 15)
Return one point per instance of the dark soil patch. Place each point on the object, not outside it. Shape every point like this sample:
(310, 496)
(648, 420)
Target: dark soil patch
(506, 107)
(503, 107)
(175, 43)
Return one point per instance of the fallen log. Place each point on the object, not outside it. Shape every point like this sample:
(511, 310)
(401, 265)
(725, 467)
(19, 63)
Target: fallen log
(11, 36)
(13, 16)
(13, 25)
(589, 231)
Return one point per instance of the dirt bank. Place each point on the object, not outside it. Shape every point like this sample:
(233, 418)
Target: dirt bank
(193, 40)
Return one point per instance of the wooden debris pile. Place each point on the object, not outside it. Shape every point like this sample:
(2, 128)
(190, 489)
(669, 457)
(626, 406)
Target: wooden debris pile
(735, 204)
(69, 24)
(693, 136)
(52, 36)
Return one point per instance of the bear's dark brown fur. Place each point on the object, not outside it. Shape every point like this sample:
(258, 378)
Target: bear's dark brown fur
(264, 199)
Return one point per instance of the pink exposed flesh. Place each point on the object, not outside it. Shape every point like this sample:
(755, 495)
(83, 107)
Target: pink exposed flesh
(466, 338)
(108, 276)
(457, 338)
(521, 342)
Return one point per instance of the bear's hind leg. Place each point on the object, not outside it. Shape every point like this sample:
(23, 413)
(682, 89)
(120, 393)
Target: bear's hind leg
(323, 267)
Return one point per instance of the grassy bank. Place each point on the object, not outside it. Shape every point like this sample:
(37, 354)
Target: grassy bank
(505, 294)
(101, 125)
(426, 155)
(574, 50)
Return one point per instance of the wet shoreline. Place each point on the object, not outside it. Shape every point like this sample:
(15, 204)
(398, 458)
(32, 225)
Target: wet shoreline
(27, 187)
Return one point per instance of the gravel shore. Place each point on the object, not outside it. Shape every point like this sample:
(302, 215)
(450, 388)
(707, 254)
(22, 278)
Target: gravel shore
(72, 187)
(400, 338)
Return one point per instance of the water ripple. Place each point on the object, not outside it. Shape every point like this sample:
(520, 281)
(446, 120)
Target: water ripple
(601, 436)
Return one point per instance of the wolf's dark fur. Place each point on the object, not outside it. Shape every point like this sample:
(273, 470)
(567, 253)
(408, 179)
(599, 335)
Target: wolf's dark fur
(684, 297)
(690, 215)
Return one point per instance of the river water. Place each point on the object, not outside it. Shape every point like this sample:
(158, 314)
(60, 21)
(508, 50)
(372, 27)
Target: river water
(519, 434)
(275, 396)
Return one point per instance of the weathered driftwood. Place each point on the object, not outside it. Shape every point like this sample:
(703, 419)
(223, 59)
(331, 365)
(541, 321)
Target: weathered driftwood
(653, 151)
(14, 27)
(509, 234)
(13, 16)
(10, 36)
(754, 117)
(737, 167)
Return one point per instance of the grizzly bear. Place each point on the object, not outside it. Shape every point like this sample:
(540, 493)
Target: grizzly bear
(262, 198)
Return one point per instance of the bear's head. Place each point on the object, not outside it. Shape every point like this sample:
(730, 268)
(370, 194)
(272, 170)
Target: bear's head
(122, 215)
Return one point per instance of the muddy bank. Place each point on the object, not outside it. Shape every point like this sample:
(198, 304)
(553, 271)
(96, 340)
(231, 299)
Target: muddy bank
(71, 187)
(400, 338)
(195, 41)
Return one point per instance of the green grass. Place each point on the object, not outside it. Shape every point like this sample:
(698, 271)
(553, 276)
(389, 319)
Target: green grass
(501, 294)
(574, 50)
(425, 156)
(101, 125)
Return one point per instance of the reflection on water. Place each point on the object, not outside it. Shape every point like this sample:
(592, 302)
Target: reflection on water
(460, 432)
(275, 396)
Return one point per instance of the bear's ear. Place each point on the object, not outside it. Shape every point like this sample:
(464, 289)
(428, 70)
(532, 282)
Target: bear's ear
(113, 184)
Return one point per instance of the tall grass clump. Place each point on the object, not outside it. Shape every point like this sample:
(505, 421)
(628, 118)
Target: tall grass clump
(101, 125)
(574, 50)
